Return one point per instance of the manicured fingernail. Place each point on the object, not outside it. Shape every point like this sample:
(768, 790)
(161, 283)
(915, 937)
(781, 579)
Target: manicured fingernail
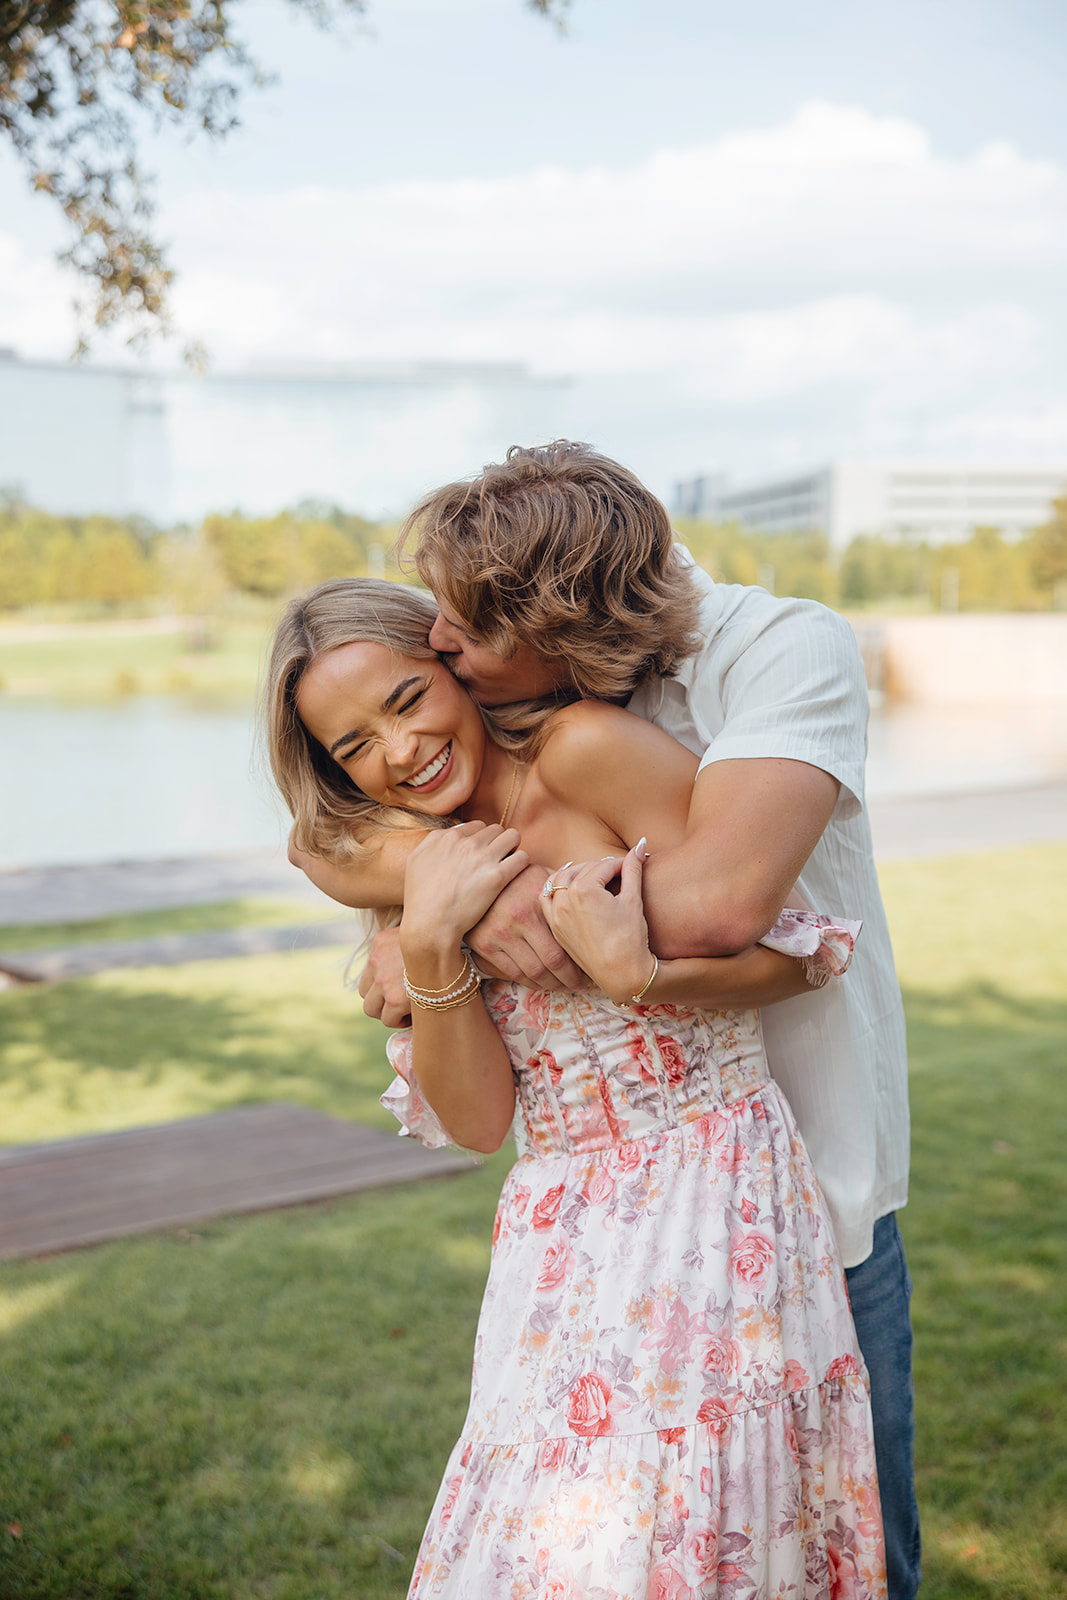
(641, 848)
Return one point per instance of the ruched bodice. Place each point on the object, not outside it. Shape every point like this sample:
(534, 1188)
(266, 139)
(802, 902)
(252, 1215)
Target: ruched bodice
(590, 1074)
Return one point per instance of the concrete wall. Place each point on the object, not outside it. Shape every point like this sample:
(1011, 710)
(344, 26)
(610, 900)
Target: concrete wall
(967, 660)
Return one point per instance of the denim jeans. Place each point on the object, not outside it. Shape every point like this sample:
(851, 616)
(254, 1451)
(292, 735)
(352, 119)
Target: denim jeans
(880, 1291)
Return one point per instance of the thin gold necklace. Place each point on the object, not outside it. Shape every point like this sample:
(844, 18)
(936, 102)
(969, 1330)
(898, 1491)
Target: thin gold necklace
(511, 792)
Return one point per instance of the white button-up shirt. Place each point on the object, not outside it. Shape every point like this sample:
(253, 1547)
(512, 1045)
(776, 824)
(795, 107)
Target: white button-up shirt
(784, 678)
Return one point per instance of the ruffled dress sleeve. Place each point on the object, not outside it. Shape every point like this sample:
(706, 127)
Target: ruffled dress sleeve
(404, 1099)
(824, 944)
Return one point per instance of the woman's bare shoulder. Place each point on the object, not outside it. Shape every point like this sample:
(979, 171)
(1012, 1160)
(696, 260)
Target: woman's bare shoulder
(591, 742)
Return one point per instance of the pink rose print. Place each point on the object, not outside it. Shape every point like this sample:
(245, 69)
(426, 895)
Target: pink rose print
(843, 1367)
(535, 1010)
(667, 1583)
(639, 1055)
(712, 1133)
(716, 1414)
(625, 1157)
(561, 1588)
(520, 1196)
(599, 1189)
(546, 1210)
(588, 1409)
(750, 1257)
(556, 1267)
(795, 1377)
(449, 1503)
(749, 1210)
(670, 1435)
(700, 1551)
(554, 1454)
(674, 1062)
(722, 1354)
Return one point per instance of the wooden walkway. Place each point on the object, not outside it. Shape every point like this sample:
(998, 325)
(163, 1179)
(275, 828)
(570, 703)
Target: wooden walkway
(78, 1192)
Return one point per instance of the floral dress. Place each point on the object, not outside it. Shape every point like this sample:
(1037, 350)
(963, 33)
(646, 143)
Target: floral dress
(668, 1400)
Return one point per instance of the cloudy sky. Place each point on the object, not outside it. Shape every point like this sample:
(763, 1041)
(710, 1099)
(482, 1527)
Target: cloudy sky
(754, 238)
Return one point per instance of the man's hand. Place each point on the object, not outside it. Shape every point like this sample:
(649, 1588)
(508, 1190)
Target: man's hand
(382, 981)
(514, 941)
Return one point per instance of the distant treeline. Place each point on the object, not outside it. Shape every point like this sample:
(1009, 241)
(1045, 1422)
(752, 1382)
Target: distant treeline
(107, 563)
(983, 573)
(110, 562)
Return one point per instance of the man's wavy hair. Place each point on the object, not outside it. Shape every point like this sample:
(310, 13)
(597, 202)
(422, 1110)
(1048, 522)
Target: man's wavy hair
(565, 551)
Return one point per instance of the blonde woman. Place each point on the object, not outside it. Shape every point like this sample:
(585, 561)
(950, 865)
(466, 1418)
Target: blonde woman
(668, 1397)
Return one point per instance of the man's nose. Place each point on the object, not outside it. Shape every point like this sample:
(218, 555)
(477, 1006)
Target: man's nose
(443, 637)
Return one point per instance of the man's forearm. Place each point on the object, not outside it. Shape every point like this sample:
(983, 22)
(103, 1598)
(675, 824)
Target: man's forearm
(752, 826)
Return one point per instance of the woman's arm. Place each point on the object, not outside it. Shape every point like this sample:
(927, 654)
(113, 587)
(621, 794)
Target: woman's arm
(458, 1057)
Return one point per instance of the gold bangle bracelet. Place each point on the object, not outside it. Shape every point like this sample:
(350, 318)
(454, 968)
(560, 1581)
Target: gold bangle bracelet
(635, 999)
(462, 973)
(463, 999)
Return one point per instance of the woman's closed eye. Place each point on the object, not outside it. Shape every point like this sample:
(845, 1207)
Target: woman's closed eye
(363, 745)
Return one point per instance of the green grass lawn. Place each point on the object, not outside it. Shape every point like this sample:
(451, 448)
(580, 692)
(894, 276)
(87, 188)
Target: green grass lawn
(260, 1409)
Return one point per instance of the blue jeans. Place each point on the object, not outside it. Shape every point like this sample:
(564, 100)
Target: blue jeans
(880, 1290)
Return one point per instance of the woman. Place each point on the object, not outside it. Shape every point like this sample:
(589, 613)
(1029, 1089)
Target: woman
(667, 1394)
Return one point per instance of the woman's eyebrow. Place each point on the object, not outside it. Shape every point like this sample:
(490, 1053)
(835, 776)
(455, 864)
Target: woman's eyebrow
(387, 705)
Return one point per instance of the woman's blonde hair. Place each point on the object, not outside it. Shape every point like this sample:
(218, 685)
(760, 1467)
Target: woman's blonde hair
(565, 551)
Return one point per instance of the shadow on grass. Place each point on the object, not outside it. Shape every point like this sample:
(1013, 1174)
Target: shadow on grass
(986, 1234)
(260, 1407)
(141, 1047)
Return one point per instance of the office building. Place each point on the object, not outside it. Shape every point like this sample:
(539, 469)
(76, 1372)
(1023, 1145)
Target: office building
(938, 501)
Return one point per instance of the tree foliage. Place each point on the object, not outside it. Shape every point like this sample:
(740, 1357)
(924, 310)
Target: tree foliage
(103, 562)
(76, 76)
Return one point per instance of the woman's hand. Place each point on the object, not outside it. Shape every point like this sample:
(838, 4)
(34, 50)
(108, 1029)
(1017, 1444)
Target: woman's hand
(605, 933)
(452, 878)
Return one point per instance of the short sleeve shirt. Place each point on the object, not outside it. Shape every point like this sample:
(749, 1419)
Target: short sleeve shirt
(783, 678)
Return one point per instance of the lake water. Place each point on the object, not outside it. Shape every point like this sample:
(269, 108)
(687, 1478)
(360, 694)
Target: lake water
(157, 777)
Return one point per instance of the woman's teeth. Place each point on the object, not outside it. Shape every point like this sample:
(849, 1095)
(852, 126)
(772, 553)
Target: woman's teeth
(429, 773)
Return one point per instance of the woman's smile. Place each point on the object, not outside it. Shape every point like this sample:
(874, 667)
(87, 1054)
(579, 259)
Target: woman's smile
(434, 773)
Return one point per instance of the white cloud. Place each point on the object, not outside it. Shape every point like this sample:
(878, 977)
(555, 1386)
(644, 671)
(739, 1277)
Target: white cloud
(837, 251)
(841, 221)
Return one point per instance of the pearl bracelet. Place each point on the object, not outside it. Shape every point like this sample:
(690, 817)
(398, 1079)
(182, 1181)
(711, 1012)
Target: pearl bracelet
(458, 993)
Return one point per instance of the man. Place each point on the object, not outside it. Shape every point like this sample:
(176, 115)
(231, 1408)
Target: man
(556, 574)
